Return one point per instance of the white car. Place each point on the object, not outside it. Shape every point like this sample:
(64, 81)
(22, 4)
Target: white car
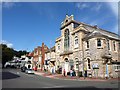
(7, 64)
(29, 71)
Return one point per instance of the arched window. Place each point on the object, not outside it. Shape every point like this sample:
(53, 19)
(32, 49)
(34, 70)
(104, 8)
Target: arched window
(58, 46)
(99, 42)
(108, 44)
(76, 41)
(66, 59)
(77, 64)
(119, 45)
(66, 39)
(87, 44)
(88, 63)
(114, 46)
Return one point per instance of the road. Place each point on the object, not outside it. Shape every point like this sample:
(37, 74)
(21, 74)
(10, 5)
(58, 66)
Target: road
(14, 78)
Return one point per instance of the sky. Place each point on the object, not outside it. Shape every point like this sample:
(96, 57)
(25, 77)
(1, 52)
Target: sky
(25, 25)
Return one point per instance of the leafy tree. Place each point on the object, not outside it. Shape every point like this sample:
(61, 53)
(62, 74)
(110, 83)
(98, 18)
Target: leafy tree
(7, 53)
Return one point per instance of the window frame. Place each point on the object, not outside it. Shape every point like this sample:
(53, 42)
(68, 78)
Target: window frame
(114, 46)
(87, 44)
(118, 45)
(89, 66)
(108, 44)
(58, 46)
(76, 63)
(117, 67)
(76, 42)
(66, 39)
(99, 43)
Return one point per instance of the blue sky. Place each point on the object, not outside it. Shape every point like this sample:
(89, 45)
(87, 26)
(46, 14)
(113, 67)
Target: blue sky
(26, 25)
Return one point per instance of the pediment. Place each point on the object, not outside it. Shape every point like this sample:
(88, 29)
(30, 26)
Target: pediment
(67, 20)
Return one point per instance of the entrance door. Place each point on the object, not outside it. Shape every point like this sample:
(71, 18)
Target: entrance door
(66, 66)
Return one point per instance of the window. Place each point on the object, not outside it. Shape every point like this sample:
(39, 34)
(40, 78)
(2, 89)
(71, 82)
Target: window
(99, 42)
(89, 63)
(114, 46)
(76, 25)
(119, 45)
(66, 39)
(76, 41)
(58, 46)
(77, 63)
(87, 44)
(108, 44)
(117, 67)
(66, 21)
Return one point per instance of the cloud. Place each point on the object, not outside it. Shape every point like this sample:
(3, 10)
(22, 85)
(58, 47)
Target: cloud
(9, 0)
(82, 5)
(97, 7)
(10, 45)
(8, 4)
(114, 7)
(91, 6)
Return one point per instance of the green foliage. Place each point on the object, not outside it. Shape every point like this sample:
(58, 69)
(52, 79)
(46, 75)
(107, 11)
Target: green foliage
(7, 54)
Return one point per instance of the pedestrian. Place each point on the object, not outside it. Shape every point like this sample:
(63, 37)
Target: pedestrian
(74, 74)
(71, 72)
(52, 70)
(64, 72)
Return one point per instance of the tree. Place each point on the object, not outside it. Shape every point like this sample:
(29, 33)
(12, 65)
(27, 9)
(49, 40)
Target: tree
(7, 53)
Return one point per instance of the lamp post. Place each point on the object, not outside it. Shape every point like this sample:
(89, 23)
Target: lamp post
(40, 60)
(83, 69)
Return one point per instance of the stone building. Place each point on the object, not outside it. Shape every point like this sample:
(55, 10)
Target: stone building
(50, 60)
(83, 47)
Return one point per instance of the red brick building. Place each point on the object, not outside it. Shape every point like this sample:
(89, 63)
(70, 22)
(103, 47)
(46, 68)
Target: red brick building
(39, 56)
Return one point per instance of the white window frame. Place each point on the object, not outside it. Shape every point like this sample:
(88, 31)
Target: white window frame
(117, 67)
(76, 45)
(58, 47)
(76, 63)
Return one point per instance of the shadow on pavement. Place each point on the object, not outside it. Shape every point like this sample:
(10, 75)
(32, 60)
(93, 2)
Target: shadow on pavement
(9, 75)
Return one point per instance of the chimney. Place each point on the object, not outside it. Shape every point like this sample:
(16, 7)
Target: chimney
(43, 55)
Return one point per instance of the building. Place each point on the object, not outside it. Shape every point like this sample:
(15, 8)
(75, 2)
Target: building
(39, 56)
(50, 60)
(83, 47)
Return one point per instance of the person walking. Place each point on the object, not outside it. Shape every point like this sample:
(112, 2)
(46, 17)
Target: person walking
(64, 72)
(71, 72)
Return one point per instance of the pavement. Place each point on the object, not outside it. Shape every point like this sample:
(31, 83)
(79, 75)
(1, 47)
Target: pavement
(60, 76)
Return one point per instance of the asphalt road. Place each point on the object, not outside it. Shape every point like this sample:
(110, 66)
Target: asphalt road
(14, 78)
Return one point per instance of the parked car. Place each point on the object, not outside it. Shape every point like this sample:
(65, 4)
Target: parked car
(29, 71)
(7, 64)
(23, 69)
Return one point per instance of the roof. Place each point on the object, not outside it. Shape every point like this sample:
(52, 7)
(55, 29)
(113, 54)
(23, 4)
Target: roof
(51, 49)
(93, 27)
(99, 34)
